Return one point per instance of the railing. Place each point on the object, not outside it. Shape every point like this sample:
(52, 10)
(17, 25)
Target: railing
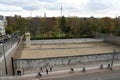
(8, 49)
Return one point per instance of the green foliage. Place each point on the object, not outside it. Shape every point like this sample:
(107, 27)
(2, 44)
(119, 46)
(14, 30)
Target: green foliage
(63, 27)
(16, 23)
(63, 24)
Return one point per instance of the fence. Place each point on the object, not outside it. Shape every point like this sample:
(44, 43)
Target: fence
(13, 44)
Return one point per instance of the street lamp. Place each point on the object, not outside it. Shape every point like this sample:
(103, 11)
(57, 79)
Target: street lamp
(4, 58)
(114, 52)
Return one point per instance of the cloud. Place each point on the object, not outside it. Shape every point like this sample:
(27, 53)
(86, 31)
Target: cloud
(6, 8)
(95, 5)
(24, 4)
(103, 8)
(47, 0)
(70, 7)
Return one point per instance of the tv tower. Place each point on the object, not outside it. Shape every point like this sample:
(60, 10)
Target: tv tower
(30, 13)
(61, 10)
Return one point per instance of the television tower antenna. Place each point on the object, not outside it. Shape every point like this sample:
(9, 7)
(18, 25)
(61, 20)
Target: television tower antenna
(30, 13)
(61, 10)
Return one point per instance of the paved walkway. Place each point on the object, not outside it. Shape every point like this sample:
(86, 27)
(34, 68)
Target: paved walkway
(63, 73)
(75, 66)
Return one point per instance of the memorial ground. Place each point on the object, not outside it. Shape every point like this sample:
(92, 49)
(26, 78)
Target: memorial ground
(59, 50)
(37, 51)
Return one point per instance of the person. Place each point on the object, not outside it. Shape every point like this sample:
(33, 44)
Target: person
(19, 72)
(41, 69)
(47, 71)
(51, 69)
(39, 74)
(72, 69)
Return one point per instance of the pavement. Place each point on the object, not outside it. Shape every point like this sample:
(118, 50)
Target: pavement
(92, 64)
(63, 73)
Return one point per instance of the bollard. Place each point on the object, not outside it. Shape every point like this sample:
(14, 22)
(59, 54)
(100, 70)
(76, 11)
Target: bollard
(83, 69)
(23, 71)
(101, 66)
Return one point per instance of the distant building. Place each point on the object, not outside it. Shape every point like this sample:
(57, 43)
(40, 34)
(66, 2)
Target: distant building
(3, 23)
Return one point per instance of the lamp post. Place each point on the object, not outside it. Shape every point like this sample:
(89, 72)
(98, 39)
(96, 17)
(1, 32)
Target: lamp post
(4, 58)
(114, 52)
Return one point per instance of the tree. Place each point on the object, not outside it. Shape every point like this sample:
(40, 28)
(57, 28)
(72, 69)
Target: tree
(117, 26)
(34, 26)
(73, 24)
(108, 24)
(22, 25)
(63, 24)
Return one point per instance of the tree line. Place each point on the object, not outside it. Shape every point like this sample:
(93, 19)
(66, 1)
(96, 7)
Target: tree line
(63, 27)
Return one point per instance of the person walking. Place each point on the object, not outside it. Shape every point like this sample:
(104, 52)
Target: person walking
(41, 69)
(50, 69)
(47, 71)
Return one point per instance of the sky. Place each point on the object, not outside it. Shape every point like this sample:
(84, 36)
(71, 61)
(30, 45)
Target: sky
(52, 8)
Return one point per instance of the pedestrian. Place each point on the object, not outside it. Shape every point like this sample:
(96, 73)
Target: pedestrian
(19, 72)
(41, 69)
(51, 69)
(72, 69)
(83, 69)
(39, 74)
(47, 71)
(101, 66)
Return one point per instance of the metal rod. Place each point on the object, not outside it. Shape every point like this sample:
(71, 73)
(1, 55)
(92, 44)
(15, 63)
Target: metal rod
(12, 61)
(5, 60)
(113, 57)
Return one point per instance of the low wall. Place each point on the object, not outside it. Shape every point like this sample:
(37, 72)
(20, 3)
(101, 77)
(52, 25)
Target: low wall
(57, 41)
(109, 38)
(44, 62)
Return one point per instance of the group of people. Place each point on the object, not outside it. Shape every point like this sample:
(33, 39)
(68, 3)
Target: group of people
(47, 71)
(19, 72)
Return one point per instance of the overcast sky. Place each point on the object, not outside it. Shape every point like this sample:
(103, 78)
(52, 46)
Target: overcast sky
(80, 8)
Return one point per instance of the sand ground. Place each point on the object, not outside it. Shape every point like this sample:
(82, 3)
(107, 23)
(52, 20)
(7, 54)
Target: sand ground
(59, 50)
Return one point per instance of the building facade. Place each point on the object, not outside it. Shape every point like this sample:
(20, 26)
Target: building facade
(3, 23)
